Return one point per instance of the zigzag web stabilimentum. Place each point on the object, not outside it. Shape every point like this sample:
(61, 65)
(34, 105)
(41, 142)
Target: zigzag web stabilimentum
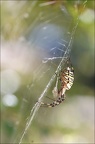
(63, 48)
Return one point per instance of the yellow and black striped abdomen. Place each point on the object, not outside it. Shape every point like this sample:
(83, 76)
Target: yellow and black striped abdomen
(67, 77)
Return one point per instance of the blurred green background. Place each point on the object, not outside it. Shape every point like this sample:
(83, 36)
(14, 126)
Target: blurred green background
(32, 31)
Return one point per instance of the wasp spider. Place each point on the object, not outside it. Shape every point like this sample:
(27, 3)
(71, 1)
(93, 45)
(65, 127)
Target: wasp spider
(66, 78)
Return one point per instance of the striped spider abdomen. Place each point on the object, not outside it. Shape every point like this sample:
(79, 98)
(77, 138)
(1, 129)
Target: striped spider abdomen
(67, 78)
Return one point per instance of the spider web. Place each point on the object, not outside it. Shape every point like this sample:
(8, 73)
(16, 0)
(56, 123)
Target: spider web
(52, 40)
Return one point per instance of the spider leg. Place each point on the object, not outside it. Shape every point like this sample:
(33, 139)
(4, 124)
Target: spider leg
(55, 103)
(56, 74)
(45, 104)
(49, 98)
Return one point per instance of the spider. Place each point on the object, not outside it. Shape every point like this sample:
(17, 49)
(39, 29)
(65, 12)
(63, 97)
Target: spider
(66, 78)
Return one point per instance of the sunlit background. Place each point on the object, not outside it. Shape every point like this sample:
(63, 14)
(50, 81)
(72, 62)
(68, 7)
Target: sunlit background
(34, 37)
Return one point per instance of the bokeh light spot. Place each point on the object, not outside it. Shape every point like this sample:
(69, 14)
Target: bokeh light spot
(10, 100)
